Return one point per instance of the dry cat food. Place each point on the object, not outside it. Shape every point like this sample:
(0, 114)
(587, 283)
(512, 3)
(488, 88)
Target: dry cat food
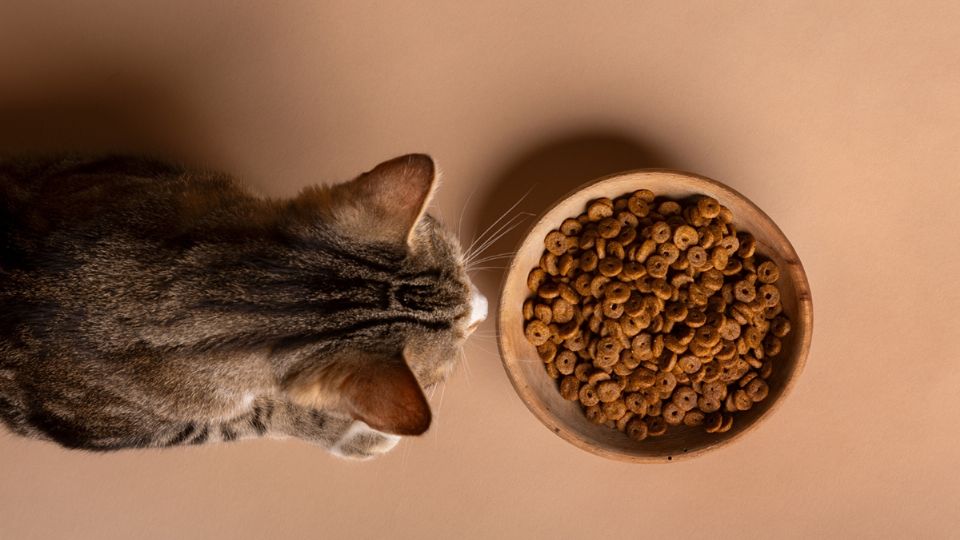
(654, 313)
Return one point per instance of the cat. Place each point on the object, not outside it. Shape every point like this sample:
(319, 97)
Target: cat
(145, 305)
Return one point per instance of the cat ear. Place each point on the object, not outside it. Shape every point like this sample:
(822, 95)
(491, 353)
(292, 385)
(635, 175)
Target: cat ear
(391, 198)
(376, 388)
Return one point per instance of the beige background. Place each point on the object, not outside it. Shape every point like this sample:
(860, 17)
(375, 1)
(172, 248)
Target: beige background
(840, 119)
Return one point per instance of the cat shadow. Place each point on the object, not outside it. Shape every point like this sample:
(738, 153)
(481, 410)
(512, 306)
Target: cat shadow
(541, 175)
(119, 113)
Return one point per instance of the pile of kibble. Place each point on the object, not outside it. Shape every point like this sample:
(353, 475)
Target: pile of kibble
(653, 313)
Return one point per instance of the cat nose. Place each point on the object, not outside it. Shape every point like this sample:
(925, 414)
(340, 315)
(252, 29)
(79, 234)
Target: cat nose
(478, 308)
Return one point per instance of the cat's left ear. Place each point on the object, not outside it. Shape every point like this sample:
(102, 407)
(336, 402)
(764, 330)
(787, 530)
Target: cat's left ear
(392, 197)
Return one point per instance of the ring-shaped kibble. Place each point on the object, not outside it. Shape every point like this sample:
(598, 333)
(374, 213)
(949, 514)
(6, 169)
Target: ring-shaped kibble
(608, 391)
(752, 336)
(707, 336)
(599, 210)
(614, 409)
(610, 266)
(644, 195)
(693, 418)
(628, 219)
(657, 346)
(685, 398)
(669, 252)
(744, 291)
(719, 258)
(708, 207)
(660, 232)
(697, 256)
(547, 351)
(730, 330)
(711, 280)
(666, 382)
(704, 403)
(615, 249)
(537, 332)
(742, 401)
(582, 371)
(595, 414)
(552, 371)
(588, 395)
(695, 318)
(549, 290)
(597, 285)
(617, 291)
(588, 261)
(627, 236)
(676, 311)
(672, 414)
(656, 426)
(685, 236)
(768, 272)
(566, 361)
(588, 239)
(632, 325)
(528, 309)
(780, 326)
(689, 364)
(757, 390)
(657, 266)
(549, 263)
(638, 206)
(727, 424)
(748, 245)
(571, 227)
(733, 268)
(568, 329)
(612, 310)
(576, 343)
(669, 208)
(543, 312)
(637, 429)
(608, 228)
(635, 403)
(711, 373)
(634, 306)
(647, 248)
(772, 312)
(569, 388)
(770, 295)
(661, 289)
(556, 242)
(535, 279)
(632, 270)
(772, 345)
(730, 244)
(563, 311)
(582, 284)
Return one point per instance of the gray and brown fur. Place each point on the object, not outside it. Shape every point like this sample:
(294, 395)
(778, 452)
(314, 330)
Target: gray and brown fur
(146, 305)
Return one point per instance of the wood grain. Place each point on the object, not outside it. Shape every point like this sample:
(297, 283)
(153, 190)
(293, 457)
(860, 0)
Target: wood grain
(565, 418)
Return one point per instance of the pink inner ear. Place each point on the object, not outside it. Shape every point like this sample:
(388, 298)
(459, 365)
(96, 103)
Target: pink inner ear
(388, 398)
(398, 190)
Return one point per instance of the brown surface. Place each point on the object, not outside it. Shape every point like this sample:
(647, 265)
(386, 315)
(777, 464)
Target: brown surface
(566, 418)
(840, 119)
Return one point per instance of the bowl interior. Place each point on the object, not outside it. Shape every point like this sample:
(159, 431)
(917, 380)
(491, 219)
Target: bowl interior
(565, 418)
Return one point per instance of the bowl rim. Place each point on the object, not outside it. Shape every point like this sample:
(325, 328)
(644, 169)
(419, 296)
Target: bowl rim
(527, 395)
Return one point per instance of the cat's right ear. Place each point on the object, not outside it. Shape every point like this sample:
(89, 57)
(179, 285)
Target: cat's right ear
(386, 203)
(376, 388)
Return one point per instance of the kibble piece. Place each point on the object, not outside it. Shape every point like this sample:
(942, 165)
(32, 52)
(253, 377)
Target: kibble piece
(588, 395)
(748, 245)
(570, 388)
(757, 390)
(608, 228)
(697, 256)
(537, 332)
(608, 391)
(744, 291)
(543, 313)
(742, 400)
(708, 207)
(771, 345)
(657, 266)
(768, 272)
(706, 404)
(552, 371)
(599, 210)
(637, 429)
(636, 404)
(613, 410)
(547, 351)
(535, 278)
(571, 227)
(528, 309)
(581, 371)
(693, 418)
(595, 414)
(770, 295)
(685, 236)
(685, 398)
(780, 327)
(730, 244)
(656, 426)
(566, 361)
(617, 291)
(672, 414)
(563, 311)
(713, 422)
(556, 243)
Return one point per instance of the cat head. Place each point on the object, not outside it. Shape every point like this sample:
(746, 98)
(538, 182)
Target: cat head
(384, 213)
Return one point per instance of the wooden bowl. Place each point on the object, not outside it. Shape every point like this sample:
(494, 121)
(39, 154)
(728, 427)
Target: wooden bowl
(565, 418)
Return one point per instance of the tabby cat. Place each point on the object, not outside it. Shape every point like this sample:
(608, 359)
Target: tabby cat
(146, 305)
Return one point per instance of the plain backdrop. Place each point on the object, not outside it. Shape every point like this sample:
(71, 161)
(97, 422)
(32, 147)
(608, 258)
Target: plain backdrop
(840, 119)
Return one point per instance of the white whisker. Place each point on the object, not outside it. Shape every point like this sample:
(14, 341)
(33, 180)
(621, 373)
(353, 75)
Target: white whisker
(504, 229)
(469, 249)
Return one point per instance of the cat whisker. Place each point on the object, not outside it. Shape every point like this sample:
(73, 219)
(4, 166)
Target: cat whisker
(494, 257)
(503, 230)
(466, 204)
(469, 249)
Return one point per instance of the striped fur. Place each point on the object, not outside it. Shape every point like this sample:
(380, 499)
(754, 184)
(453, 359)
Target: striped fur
(146, 305)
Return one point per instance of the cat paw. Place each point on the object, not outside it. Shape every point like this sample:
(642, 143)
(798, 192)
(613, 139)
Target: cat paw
(362, 442)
